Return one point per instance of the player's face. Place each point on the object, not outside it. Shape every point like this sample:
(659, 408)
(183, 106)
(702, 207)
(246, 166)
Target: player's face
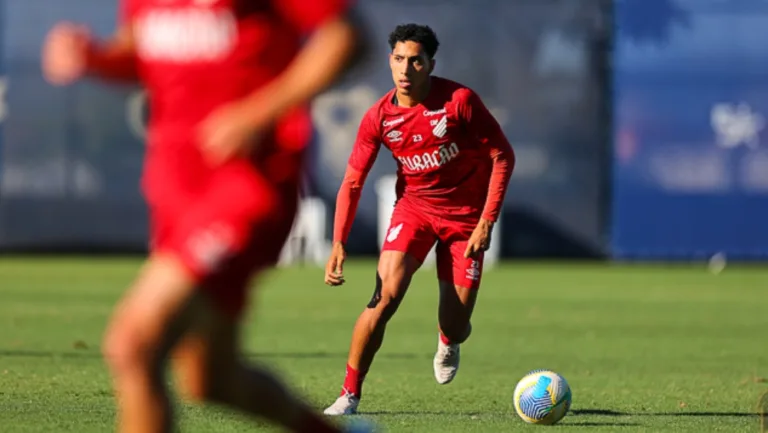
(410, 65)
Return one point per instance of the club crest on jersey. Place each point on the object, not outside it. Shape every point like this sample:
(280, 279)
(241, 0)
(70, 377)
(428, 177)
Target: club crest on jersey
(441, 128)
(430, 160)
(394, 232)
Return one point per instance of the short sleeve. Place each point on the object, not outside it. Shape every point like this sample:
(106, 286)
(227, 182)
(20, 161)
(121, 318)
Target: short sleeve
(367, 143)
(307, 15)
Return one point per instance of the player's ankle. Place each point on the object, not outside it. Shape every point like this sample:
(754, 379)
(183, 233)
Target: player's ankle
(353, 382)
(445, 339)
(450, 341)
(456, 337)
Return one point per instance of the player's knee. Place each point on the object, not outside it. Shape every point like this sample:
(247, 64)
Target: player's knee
(386, 297)
(124, 349)
(388, 305)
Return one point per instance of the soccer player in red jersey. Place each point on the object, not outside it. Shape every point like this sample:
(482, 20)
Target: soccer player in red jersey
(228, 83)
(453, 167)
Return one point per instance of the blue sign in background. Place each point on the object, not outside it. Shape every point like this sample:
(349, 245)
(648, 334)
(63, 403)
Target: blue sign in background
(690, 175)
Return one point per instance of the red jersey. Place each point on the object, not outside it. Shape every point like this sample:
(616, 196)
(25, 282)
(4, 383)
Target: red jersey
(442, 146)
(196, 55)
(451, 154)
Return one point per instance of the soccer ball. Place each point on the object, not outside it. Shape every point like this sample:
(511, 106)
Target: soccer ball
(542, 397)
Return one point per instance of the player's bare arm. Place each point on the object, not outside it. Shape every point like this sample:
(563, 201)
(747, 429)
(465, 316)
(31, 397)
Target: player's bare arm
(230, 131)
(71, 53)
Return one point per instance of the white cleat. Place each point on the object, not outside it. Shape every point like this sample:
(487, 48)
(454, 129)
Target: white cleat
(446, 362)
(344, 405)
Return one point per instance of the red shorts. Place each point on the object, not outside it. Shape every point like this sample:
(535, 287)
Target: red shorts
(223, 223)
(414, 230)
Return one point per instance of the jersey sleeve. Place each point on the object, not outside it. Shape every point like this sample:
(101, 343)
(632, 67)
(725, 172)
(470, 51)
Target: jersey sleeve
(363, 156)
(481, 124)
(367, 143)
(307, 15)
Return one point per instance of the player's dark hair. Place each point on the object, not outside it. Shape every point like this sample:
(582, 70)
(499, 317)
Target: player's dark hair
(421, 34)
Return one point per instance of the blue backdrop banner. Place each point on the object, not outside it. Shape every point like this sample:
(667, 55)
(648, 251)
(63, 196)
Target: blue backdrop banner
(690, 175)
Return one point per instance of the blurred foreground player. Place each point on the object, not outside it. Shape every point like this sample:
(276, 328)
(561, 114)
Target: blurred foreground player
(453, 167)
(228, 81)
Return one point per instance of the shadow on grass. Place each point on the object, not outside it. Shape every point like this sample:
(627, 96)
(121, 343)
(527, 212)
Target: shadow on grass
(601, 424)
(509, 414)
(424, 412)
(607, 412)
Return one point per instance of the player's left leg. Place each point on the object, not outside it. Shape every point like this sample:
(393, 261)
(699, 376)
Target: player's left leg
(410, 238)
(211, 369)
(459, 281)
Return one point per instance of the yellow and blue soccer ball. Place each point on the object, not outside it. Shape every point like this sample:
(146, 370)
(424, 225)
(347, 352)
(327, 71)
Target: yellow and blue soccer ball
(542, 397)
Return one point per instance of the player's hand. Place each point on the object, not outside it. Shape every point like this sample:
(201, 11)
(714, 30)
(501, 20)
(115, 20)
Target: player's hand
(480, 239)
(229, 132)
(334, 275)
(65, 53)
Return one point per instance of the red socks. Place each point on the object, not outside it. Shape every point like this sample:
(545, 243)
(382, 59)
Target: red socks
(444, 339)
(353, 382)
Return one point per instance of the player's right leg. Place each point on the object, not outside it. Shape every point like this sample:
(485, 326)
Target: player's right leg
(146, 324)
(408, 243)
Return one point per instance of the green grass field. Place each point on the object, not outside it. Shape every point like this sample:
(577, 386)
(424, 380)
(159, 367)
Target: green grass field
(645, 349)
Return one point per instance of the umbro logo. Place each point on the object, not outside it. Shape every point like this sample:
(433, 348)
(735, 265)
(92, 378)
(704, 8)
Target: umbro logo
(395, 136)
